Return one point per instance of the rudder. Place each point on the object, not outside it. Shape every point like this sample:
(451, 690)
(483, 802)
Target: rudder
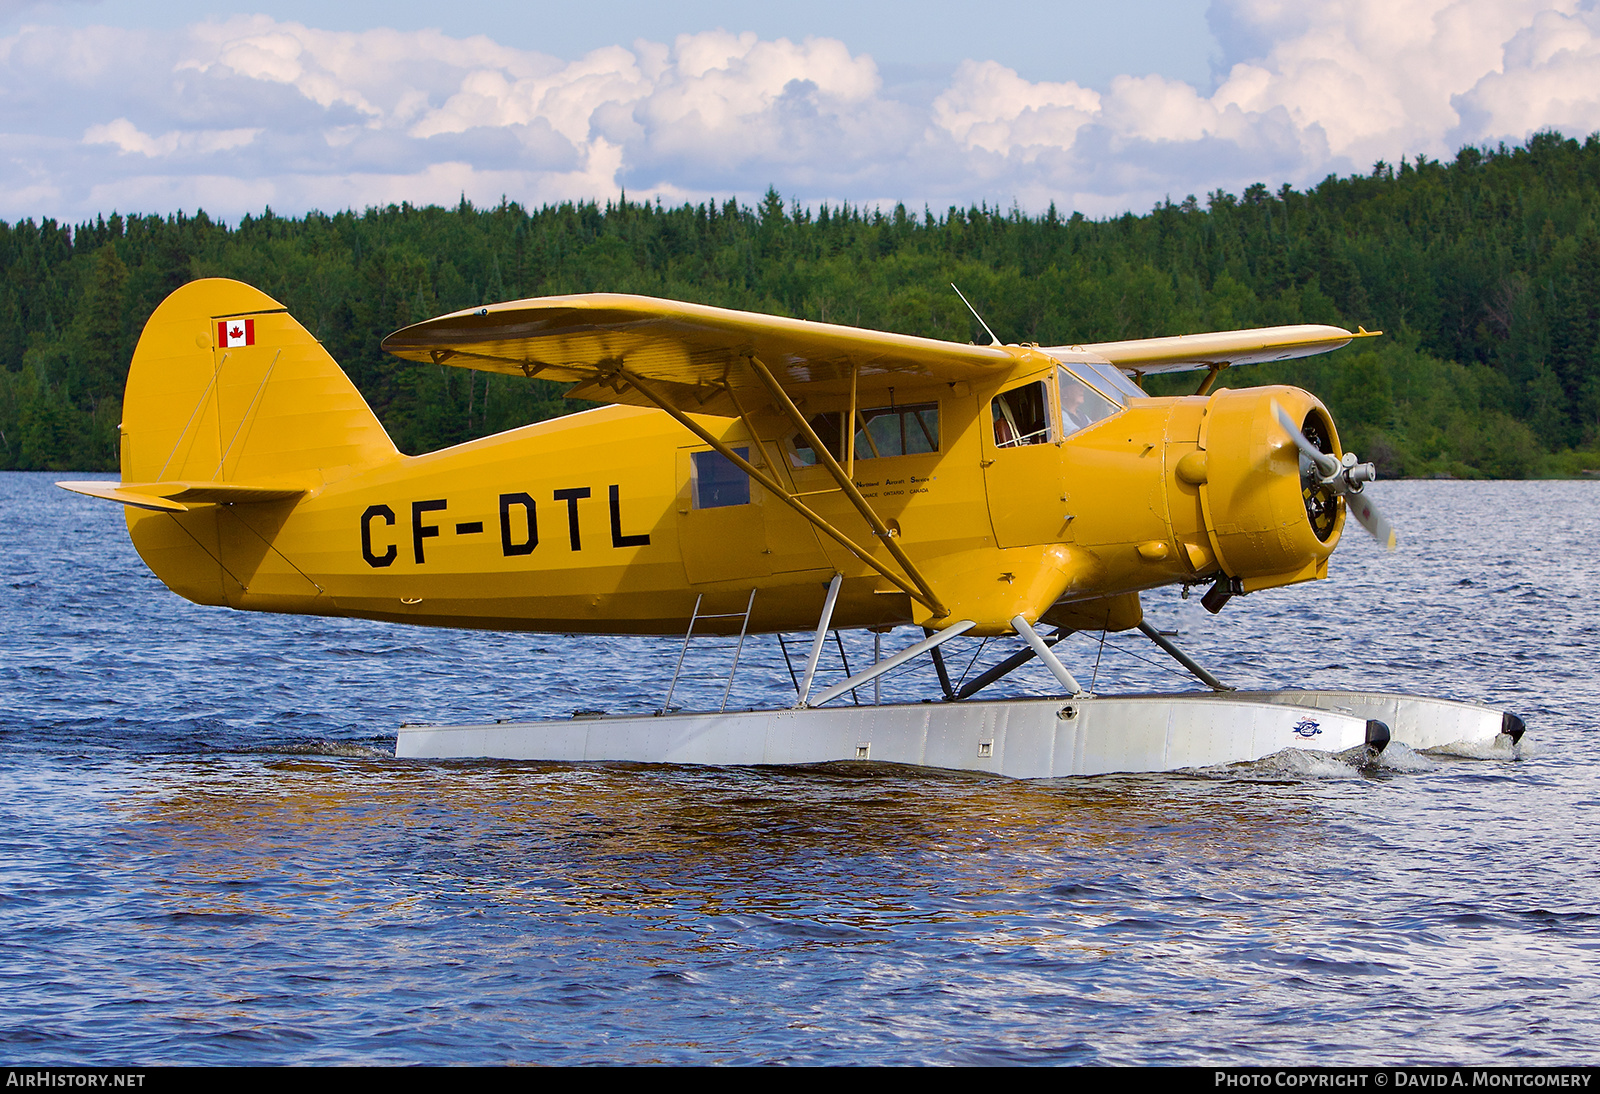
(234, 411)
(272, 407)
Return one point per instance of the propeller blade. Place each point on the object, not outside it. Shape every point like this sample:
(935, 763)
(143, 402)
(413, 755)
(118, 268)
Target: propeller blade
(1367, 514)
(1326, 463)
(1346, 479)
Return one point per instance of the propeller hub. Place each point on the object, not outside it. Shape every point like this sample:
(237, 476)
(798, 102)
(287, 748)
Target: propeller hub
(1317, 476)
(1356, 474)
(1343, 476)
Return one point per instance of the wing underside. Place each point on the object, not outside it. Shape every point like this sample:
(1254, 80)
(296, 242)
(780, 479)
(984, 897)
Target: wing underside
(692, 354)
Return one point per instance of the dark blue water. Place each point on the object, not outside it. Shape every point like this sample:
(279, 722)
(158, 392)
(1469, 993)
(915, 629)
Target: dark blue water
(209, 855)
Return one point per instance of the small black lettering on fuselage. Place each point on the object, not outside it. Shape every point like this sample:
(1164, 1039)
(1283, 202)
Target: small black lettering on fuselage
(519, 525)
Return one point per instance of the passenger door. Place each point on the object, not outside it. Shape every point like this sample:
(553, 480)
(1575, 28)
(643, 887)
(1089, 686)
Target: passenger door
(1022, 465)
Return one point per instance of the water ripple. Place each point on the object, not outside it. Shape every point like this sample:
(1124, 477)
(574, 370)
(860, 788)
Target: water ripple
(211, 856)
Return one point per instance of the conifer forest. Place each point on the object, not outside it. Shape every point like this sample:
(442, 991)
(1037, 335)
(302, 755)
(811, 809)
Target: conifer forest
(1483, 272)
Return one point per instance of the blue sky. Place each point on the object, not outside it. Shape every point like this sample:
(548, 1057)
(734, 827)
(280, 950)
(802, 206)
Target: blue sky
(115, 105)
(1069, 40)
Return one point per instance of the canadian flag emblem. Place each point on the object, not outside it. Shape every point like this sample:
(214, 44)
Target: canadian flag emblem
(236, 332)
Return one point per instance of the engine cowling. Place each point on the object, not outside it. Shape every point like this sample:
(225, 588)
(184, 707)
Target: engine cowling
(1269, 522)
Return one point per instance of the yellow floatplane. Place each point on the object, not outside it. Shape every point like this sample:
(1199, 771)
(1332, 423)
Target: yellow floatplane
(752, 474)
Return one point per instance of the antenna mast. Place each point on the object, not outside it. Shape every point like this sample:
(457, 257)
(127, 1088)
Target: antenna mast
(993, 341)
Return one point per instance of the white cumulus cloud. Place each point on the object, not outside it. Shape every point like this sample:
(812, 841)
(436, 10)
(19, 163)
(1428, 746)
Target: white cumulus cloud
(126, 136)
(236, 114)
(990, 107)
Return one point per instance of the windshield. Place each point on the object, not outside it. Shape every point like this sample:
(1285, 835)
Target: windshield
(1081, 405)
(1117, 384)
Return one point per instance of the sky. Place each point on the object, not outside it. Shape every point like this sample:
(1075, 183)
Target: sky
(113, 105)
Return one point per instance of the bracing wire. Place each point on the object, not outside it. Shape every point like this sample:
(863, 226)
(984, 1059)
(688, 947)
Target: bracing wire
(975, 655)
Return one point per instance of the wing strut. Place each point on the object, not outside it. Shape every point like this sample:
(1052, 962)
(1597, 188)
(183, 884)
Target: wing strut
(771, 485)
(1211, 377)
(785, 404)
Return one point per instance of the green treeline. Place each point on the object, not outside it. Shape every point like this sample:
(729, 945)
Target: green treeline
(1484, 273)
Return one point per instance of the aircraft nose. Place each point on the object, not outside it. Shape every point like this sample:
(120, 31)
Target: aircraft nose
(1324, 477)
(1268, 524)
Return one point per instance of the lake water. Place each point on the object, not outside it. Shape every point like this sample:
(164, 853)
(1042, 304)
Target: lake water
(208, 853)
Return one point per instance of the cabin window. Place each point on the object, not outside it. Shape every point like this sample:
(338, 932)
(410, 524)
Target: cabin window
(1081, 405)
(827, 428)
(1021, 416)
(910, 430)
(717, 482)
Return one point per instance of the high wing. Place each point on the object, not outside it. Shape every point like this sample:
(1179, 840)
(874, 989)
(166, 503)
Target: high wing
(691, 353)
(1188, 352)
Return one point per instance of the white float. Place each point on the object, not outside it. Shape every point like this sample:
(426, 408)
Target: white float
(1073, 734)
(1417, 721)
(1021, 738)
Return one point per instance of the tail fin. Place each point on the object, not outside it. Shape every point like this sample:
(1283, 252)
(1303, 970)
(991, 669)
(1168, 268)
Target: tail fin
(226, 387)
(233, 407)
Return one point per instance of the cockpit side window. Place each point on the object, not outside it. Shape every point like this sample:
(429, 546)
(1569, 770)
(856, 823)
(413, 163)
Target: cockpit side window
(1081, 405)
(828, 428)
(1021, 416)
(909, 430)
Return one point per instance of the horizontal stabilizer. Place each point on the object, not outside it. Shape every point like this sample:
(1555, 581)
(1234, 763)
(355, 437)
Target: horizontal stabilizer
(1188, 352)
(177, 497)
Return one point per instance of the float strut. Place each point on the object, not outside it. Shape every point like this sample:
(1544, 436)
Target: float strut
(896, 660)
(938, 665)
(877, 653)
(1007, 667)
(1182, 658)
(1021, 625)
(822, 636)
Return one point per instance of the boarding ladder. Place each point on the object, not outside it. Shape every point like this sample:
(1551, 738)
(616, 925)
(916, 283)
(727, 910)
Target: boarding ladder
(738, 649)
